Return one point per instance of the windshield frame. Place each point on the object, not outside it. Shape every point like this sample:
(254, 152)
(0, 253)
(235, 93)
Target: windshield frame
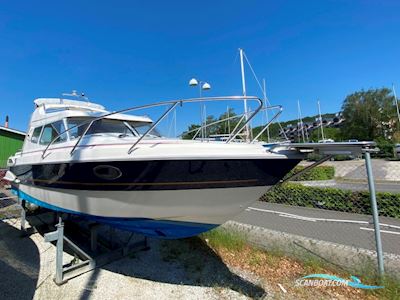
(131, 126)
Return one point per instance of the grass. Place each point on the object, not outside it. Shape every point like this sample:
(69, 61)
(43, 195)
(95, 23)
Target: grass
(222, 238)
(276, 267)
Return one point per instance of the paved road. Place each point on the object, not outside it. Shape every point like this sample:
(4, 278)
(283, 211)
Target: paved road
(391, 187)
(338, 227)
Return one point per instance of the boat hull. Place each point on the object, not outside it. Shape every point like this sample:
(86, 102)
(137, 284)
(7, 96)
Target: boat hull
(163, 214)
(167, 199)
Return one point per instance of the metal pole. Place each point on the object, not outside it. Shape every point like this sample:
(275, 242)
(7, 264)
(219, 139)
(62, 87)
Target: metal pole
(300, 120)
(244, 94)
(23, 215)
(203, 106)
(59, 254)
(229, 123)
(205, 121)
(266, 110)
(153, 126)
(375, 214)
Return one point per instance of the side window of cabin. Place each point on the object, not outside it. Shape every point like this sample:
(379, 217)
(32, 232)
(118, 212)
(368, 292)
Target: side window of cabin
(59, 127)
(51, 131)
(36, 134)
(75, 131)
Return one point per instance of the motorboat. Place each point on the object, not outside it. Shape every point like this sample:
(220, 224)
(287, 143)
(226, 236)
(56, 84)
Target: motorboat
(115, 168)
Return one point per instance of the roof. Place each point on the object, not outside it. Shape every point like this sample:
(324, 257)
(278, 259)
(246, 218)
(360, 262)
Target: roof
(67, 102)
(49, 110)
(12, 130)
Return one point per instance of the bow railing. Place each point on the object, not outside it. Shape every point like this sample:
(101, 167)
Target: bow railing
(172, 105)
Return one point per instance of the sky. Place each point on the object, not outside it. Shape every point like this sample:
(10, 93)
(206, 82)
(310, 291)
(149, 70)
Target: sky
(127, 53)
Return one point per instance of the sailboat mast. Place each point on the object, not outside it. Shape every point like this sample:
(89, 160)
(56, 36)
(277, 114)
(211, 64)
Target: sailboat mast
(247, 129)
(320, 120)
(229, 123)
(300, 120)
(266, 110)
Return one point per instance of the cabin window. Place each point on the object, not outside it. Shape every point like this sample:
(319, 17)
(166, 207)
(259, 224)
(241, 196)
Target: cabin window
(73, 129)
(51, 131)
(142, 128)
(98, 127)
(36, 134)
(110, 126)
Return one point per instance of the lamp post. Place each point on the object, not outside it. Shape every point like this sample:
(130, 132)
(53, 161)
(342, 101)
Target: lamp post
(203, 85)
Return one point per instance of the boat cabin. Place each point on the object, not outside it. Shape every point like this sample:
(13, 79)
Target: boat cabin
(69, 119)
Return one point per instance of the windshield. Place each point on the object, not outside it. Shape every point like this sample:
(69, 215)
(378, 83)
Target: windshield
(141, 128)
(107, 126)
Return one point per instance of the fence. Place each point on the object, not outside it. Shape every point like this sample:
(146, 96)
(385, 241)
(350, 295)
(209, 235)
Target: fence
(330, 206)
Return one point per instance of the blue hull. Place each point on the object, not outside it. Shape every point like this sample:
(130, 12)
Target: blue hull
(148, 227)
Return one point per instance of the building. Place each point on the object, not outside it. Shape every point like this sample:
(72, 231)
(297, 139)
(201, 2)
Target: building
(11, 141)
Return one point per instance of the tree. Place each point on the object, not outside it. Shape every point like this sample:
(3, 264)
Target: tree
(227, 126)
(223, 127)
(329, 133)
(369, 115)
(189, 134)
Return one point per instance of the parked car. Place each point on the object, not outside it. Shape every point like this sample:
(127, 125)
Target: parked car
(397, 150)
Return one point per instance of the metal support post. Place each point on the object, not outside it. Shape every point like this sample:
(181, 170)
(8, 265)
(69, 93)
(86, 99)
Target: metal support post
(60, 250)
(86, 262)
(375, 214)
(23, 216)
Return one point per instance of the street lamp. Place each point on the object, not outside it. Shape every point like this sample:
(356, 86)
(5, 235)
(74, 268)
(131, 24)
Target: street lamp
(202, 86)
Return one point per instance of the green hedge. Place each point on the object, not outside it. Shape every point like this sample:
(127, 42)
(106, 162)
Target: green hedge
(317, 173)
(333, 199)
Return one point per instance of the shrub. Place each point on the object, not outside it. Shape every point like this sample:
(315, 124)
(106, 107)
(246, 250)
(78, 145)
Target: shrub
(342, 157)
(386, 148)
(317, 173)
(333, 199)
(314, 157)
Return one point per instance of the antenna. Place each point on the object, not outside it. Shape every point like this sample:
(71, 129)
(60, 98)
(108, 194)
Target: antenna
(75, 94)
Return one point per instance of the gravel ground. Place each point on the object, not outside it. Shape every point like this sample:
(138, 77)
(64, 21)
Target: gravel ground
(184, 269)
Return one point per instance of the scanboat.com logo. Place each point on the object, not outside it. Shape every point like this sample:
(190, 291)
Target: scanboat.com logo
(331, 280)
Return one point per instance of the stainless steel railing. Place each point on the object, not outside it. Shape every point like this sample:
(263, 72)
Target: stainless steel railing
(172, 104)
(241, 116)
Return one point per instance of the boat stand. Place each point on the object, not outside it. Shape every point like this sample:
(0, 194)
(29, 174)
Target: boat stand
(83, 261)
(99, 253)
(25, 231)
